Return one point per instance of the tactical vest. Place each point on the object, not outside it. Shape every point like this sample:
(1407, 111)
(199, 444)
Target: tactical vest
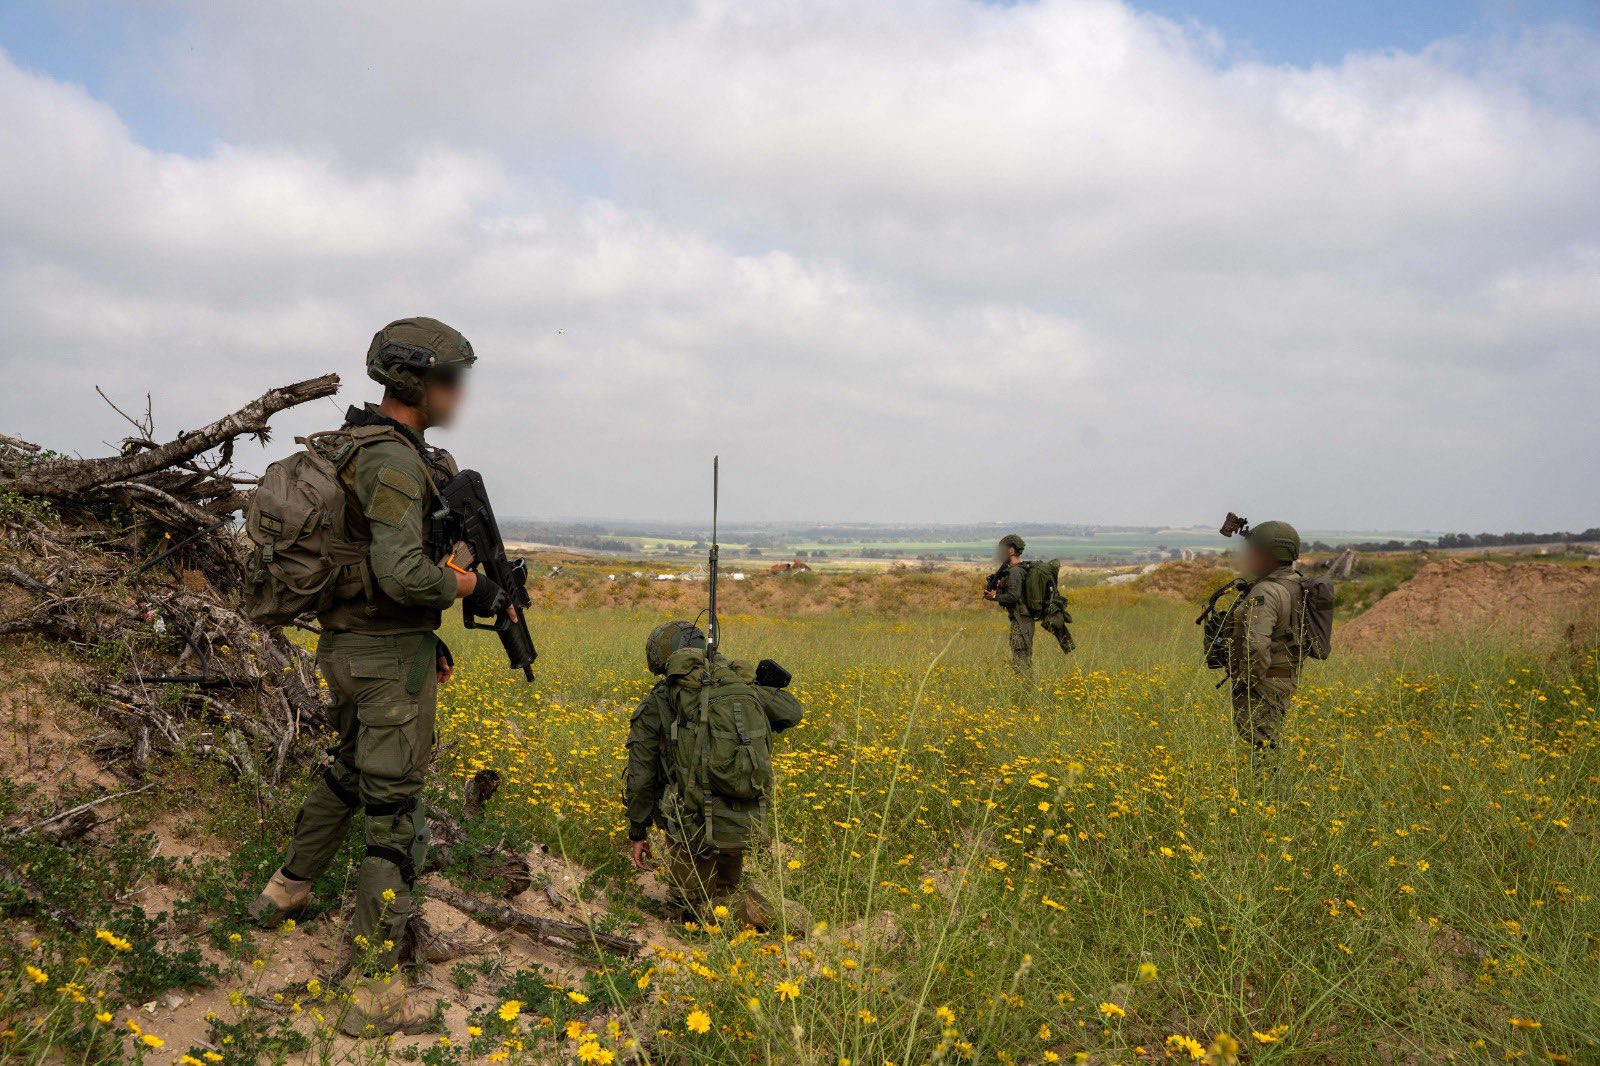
(1306, 631)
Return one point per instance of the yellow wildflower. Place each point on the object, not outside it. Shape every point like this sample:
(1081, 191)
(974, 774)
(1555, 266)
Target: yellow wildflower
(1177, 1044)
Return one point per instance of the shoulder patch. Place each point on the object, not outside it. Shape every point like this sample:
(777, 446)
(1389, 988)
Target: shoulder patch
(396, 478)
(396, 494)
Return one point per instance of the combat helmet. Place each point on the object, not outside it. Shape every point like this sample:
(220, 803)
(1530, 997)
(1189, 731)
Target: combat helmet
(405, 351)
(667, 638)
(1010, 540)
(1278, 539)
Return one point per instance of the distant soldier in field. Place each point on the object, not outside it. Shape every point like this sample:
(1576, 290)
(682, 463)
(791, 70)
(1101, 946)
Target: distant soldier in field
(700, 768)
(1005, 587)
(1263, 637)
(383, 662)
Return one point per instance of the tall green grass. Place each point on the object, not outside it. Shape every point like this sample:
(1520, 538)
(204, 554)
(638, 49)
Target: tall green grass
(1415, 872)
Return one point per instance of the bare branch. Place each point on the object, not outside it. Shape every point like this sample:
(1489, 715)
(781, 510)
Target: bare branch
(67, 477)
(573, 936)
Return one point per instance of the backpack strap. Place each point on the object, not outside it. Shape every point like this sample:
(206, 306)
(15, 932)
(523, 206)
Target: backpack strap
(705, 743)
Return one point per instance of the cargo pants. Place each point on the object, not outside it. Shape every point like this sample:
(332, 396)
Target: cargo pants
(1021, 639)
(1259, 709)
(383, 692)
(700, 882)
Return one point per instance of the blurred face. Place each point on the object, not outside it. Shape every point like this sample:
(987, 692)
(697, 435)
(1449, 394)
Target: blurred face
(1257, 563)
(446, 389)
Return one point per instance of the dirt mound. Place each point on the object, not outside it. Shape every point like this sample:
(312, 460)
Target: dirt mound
(1535, 602)
(1191, 581)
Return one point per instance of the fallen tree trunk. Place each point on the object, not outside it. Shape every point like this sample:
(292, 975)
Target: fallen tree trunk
(570, 936)
(56, 478)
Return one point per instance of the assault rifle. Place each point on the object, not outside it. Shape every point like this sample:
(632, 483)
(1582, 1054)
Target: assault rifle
(465, 517)
(993, 581)
(1214, 623)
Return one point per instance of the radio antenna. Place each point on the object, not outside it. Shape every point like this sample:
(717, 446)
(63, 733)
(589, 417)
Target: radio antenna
(714, 638)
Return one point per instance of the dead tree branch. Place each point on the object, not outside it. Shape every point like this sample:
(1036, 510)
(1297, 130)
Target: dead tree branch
(70, 477)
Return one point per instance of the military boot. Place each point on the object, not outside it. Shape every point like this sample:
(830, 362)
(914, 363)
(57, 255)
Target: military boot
(283, 898)
(379, 1006)
(788, 917)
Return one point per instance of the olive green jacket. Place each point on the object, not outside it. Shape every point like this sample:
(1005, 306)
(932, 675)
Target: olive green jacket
(394, 482)
(1010, 595)
(1261, 643)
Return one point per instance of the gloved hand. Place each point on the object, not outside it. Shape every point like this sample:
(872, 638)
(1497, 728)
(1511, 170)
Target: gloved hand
(770, 675)
(488, 600)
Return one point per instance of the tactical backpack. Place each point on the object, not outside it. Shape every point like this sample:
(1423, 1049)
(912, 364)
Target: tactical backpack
(302, 557)
(1312, 623)
(1042, 596)
(719, 753)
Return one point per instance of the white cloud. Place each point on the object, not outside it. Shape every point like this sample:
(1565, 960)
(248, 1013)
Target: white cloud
(875, 254)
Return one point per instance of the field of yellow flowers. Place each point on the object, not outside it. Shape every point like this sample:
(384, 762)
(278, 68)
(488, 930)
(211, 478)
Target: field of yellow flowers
(1090, 870)
(1082, 870)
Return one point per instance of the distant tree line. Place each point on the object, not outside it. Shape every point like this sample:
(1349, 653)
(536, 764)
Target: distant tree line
(598, 544)
(1461, 540)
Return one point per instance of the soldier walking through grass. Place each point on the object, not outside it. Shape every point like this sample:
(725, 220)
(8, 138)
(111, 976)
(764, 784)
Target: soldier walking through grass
(381, 659)
(1006, 587)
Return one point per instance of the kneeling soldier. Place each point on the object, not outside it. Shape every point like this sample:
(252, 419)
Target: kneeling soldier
(700, 767)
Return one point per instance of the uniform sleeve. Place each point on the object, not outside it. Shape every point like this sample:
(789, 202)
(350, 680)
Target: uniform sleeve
(1009, 595)
(1263, 609)
(782, 709)
(392, 485)
(645, 779)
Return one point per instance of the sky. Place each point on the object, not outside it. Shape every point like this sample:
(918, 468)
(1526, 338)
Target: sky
(897, 260)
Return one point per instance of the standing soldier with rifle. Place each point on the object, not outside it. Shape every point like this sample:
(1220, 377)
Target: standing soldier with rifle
(378, 611)
(1278, 619)
(1006, 586)
(700, 768)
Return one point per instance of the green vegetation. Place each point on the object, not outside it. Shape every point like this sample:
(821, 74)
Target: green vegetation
(1090, 869)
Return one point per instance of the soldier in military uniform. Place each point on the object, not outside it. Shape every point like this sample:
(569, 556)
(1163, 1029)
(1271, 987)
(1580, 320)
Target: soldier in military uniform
(382, 662)
(698, 879)
(1006, 589)
(1263, 648)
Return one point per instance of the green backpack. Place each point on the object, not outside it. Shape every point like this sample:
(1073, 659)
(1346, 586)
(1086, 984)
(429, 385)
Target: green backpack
(1042, 595)
(302, 557)
(719, 756)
